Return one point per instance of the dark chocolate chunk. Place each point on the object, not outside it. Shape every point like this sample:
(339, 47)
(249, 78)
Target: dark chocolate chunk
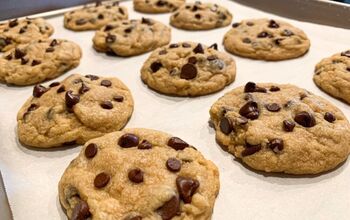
(288, 125)
(177, 144)
(214, 46)
(13, 23)
(252, 87)
(36, 62)
(110, 38)
(273, 107)
(39, 90)
(53, 43)
(91, 150)
(188, 71)
(173, 46)
(305, 119)
(54, 84)
(173, 164)
(274, 88)
(61, 89)
(276, 145)
(92, 77)
(155, 66)
(250, 149)
(234, 25)
(186, 187)
(106, 83)
(225, 126)
(136, 175)
(106, 105)
(198, 49)
(118, 98)
(128, 140)
(186, 45)
(330, 117)
(250, 110)
(101, 180)
(19, 53)
(169, 209)
(71, 99)
(192, 60)
(345, 53)
(50, 50)
(81, 211)
(144, 145)
(146, 21)
(273, 24)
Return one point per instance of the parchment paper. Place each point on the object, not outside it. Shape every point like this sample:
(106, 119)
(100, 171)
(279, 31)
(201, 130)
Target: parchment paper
(31, 176)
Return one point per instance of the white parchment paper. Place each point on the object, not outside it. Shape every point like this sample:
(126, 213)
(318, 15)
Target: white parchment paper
(31, 176)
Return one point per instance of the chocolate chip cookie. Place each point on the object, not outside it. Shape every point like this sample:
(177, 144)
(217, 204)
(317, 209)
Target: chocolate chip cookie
(200, 16)
(139, 174)
(281, 128)
(133, 37)
(332, 75)
(188, 69)
(93, 17)
(38, 61)
(266, 39)
(157, 6)
(74, 111)
(21, 31)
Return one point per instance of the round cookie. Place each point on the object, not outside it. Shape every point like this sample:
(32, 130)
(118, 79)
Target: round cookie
(38, 61)
(188, 69)
(332, 75)
(281, 128)
(133, 37)
(74, 111)
(139, 174)
(157, 6)
(93, 17)
(266, 39)
(22, 31)
(200, 16)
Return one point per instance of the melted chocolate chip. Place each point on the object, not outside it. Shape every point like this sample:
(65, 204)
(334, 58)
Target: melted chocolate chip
(273, 24)
(276, 145)
(144, 145)
(81, 211)
(274, 89)
(198, 49)
(192, 60)
(169, 209)
(288, 125)
(128, 140)
(305, 119)
(155, 66)
(54, 84)
(39, 90)
(71, 99)
(263, 34)
(24, 61)
(135, 175)
(81, 21)
(186, 45)
(110, 38)
(36, 62)
(273, 107)
(101, 180)
(173, 46)
(61, 89)
(250, 110)
(214, 46)
(330, 117)
(19, 53)
(186, 187)
(106, 83)
(225, 126)
(188, 71)
(173, 164)
(177, 144)
(83, 89)
(250, 149)
(252, 87)
(106, 105)
(234, 25)
(91, 150)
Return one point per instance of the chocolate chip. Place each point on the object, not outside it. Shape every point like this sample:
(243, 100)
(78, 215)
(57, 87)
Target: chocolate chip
(274, 88)
(22, 30)
(188, 71)
(32, 107)
(278, 41)
(214, 46)
(225, 126)
(250, 23)
(71, 99)
(250, 149)
(138, 217)
(234, 25)
(118, 98)
(162, 52)
(288, 125)
(53, 43)
(348, 68)
(13, 23)
(121, 11)
(92, 77)
(195, 8)
(212, 57)
(155, 66)
(186, 45)
(146, 21)
(173, 164)
(91, 150)
(101, 180)
(276, 145)
(110, 38)
(246, 40)
(106, 105)
(305, 119)
(19, 54)
(173, 46)
(287, 33)
(128, 140)
(263, 34)
(39, 90)
(177, 144)
(81, 21)
(8, 57)
(136, 175)
(273, 107)
(250, 110)
(24, 61)
(36, 62)
(345, 53)
(144, 145)
(186, 187)
(108, 27)
(100, 16)
(161, 3)
(106, 83)
(78, 80)
(83, 89)
(54, 84)
(169, 209)
(197, 16)
(61, 89)
(330, 117)
(128, 30)
(252, 87)
(273, 24)
(50, 50)
(198, 49)
(192, 60)
(81, 211)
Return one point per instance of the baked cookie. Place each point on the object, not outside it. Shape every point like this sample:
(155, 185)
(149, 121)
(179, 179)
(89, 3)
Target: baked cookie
(281, 128)
(200, 16)
(21, 31)
(74, 111)
(38, 61)
(188, 69)
(139, 174)
(93, 17)
(133, 37)
(266, 39)
(157, 6)
(332, 75)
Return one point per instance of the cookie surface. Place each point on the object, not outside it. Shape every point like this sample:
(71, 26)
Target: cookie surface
(188, 69)
(281, 128)
(200, 16)
(139, 174)
(93, 17)
(74, 111)
(332, 75)
(22, 31)
(38, 61)
(133, 37)
(266, 39)
(157, 6)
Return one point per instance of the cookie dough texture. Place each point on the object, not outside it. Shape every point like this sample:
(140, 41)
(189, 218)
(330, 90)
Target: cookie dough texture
(38, 61)
(266, 39)
(332, 75)
(133, 37)
(156, 194)
(157, 6)
(73, 111)
(281, 128)
(200, 16)
(93, 17)
(22, 31)
(188, 69)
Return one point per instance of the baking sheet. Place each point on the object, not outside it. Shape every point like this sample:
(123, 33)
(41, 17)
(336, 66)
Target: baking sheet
(31, 176)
